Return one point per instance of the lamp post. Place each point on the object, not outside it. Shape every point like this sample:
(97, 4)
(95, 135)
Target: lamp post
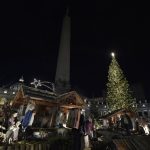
(39, 83)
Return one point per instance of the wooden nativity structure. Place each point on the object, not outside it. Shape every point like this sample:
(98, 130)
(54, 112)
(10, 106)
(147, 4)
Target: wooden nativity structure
(111, 118)
(51, 109)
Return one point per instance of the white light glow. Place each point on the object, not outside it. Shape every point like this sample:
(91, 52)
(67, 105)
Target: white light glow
(5, 91)
(113, 54)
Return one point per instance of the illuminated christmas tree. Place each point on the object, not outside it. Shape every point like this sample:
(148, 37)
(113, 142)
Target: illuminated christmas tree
(118, 93)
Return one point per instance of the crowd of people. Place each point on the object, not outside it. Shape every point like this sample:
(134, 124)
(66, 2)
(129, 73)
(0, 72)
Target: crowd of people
(84, 134)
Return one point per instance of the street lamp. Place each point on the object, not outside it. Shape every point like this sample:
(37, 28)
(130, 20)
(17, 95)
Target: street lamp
(39, 83)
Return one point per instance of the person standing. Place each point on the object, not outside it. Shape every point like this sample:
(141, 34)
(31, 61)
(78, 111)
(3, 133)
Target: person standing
(126, 123)
(88, 132)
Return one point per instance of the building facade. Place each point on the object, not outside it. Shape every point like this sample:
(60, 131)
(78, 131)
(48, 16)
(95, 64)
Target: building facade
(143, 107)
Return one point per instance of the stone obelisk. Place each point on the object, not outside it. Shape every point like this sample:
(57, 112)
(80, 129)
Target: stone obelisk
(62, 77)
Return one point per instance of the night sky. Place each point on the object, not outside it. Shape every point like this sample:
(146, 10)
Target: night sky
(30, 32)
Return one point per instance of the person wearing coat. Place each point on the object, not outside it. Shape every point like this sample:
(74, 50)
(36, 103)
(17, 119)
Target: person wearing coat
(126, 123)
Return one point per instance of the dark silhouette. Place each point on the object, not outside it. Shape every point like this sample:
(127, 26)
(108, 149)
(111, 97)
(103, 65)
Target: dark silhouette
(126, 123)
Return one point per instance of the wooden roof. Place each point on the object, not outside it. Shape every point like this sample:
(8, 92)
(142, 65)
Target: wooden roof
(133, 143)
(71, 100)
(119, 111)
(41, 97)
